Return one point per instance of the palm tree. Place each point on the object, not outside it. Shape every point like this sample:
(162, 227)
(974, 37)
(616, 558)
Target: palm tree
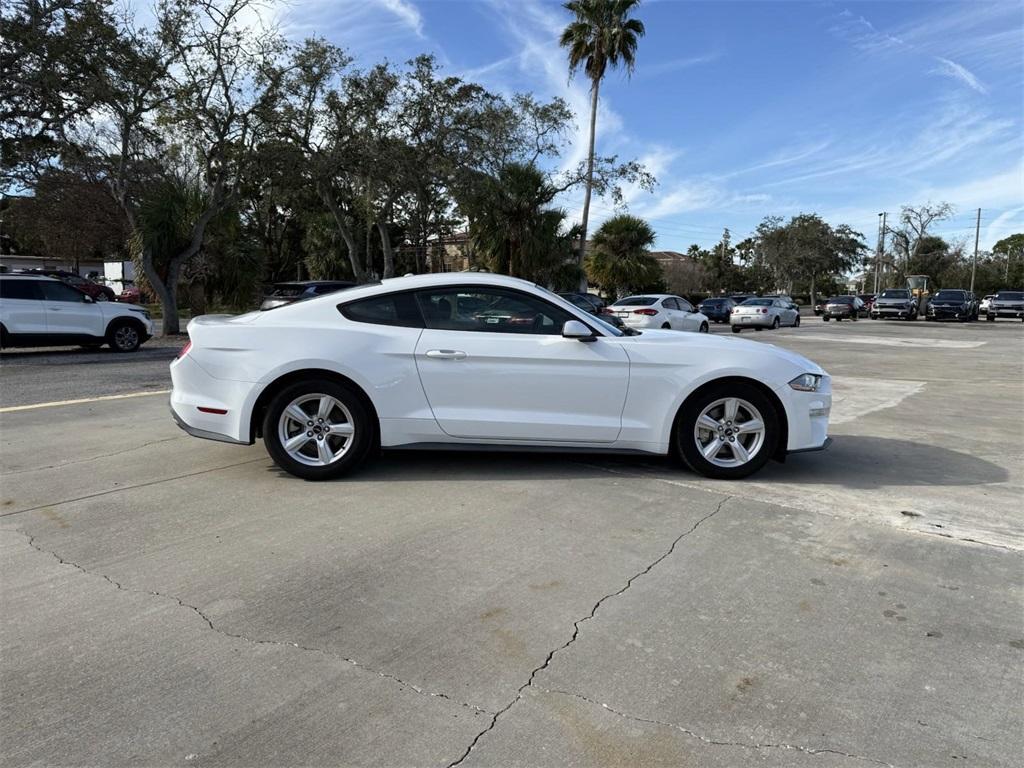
(512, 225)
(601, 34)
(620, 261)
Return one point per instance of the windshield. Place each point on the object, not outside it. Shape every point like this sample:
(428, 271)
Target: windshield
(1010, 296)
(895, 294)
(758, 302)
(635, 301)
(951, 295)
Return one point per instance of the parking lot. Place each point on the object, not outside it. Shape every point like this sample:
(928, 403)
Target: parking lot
(172, 601)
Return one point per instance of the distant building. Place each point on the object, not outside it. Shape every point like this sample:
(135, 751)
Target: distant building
(668, 259)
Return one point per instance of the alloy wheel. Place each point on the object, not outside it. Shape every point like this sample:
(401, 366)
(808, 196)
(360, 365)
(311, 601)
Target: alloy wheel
(316, 429)
(729, 432)
(126, 337)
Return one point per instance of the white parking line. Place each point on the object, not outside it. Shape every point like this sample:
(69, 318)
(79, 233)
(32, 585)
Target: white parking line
(854, 397)
(33, 406)
(883, 341)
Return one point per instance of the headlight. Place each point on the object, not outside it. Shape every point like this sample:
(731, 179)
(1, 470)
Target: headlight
(143, 312)
(806, 382)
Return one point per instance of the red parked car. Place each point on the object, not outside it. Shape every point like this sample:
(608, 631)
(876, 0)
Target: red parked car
(95, 291)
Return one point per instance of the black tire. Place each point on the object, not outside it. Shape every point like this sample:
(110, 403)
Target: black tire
(666, 327)
(735, 329)
(703, 328)
(825, 318)
(758, 328)
(125, 335)
(796, 323)
(839, 319)
(362, 421)
(3, 337)
(686, 419)
(776, 324)
(990, 318)
(853, 317)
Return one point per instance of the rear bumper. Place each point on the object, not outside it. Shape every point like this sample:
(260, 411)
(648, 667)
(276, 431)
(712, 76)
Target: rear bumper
(195, 389)
(751, 321)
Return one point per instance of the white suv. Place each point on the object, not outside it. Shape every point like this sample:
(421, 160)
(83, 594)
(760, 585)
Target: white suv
(37, 311)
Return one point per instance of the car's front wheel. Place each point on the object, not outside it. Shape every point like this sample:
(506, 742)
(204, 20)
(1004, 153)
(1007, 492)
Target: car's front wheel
(735, 329)
(124, 336)
(703, 328)
(317, 430)
(728, 431)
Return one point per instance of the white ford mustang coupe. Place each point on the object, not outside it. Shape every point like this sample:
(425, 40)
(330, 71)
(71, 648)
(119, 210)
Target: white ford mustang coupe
(474, 360)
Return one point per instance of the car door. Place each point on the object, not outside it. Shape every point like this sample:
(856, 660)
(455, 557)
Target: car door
(688, 320)
(671, 311)
(21, 306)
(494, 365)
(70, 312)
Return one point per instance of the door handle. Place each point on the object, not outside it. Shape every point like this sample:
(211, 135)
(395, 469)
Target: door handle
(446, 354)
(54, 309)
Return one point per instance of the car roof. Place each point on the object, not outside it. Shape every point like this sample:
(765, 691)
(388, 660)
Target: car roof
(28, 276)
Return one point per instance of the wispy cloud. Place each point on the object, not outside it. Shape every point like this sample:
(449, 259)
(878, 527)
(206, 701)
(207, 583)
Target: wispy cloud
(656, 68)
(862, 34)
(408, 13)
(959, 72)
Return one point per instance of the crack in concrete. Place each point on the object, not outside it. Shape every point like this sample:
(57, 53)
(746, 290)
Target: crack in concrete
(121, 488)
(753, 497)
(255, 641)
(717, 742)
(93, 458)
(576, 632)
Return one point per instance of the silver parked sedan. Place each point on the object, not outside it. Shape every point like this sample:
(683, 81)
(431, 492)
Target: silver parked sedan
(767, 312)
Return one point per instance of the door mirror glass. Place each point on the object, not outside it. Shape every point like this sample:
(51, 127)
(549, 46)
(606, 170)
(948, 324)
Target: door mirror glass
(574, 329)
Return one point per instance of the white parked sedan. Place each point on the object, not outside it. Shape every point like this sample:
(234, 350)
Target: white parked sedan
(487, 362)
(658, 310)
(764, 312)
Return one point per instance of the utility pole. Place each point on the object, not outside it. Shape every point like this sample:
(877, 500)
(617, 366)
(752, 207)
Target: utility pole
(880, 249)
(977, 234)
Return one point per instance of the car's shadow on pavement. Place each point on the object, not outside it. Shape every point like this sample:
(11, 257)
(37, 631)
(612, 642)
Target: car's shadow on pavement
(852, 461)
(863, 462)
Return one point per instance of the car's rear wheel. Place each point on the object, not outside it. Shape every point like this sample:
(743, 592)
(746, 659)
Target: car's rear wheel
(666, 326)
(727, 432)
(796, 323)
(775, 324)
(317, 430)
(735, 329)
(124, 336)
(990, 318)
(825, 318)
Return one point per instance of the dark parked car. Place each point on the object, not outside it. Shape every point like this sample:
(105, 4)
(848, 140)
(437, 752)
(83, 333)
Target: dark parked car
(286, 293)
(1006, 304)
(952, 303)
(842, 308)
(94, 291)
(595, 305)
(895, 302)
(718, 310)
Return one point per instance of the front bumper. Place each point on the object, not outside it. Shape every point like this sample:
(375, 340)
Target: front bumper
(1014, 312)
(950, 313)
(807, 415)
(892, 311)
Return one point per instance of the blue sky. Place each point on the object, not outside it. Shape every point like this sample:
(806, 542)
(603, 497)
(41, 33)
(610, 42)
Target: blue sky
(744, 109)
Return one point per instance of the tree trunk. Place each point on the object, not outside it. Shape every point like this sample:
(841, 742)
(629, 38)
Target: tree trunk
(590, 181)
(388, 251)
(812, 292)
(345, 232)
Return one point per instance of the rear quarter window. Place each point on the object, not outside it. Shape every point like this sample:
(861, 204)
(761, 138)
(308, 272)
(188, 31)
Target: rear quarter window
(392, 309)
(20, 289)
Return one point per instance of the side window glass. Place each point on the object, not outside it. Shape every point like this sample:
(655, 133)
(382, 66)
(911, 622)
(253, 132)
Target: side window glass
(685, 305)
(489, 310)
(20, 289)
(393, 309)
(669, 304)
(54, 291)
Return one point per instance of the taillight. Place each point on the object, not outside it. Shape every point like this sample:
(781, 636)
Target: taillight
(185, 349)
(648, 312)
(764, 311)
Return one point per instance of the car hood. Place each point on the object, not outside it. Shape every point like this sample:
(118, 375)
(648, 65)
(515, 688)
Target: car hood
(899, 302)
(687, 349)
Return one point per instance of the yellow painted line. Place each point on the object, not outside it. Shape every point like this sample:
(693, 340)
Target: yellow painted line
(12, 408)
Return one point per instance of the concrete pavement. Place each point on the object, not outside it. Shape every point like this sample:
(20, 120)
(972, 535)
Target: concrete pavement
(169, 601)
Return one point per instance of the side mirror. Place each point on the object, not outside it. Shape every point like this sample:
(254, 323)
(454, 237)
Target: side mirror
(88, 299)
(574, 329)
